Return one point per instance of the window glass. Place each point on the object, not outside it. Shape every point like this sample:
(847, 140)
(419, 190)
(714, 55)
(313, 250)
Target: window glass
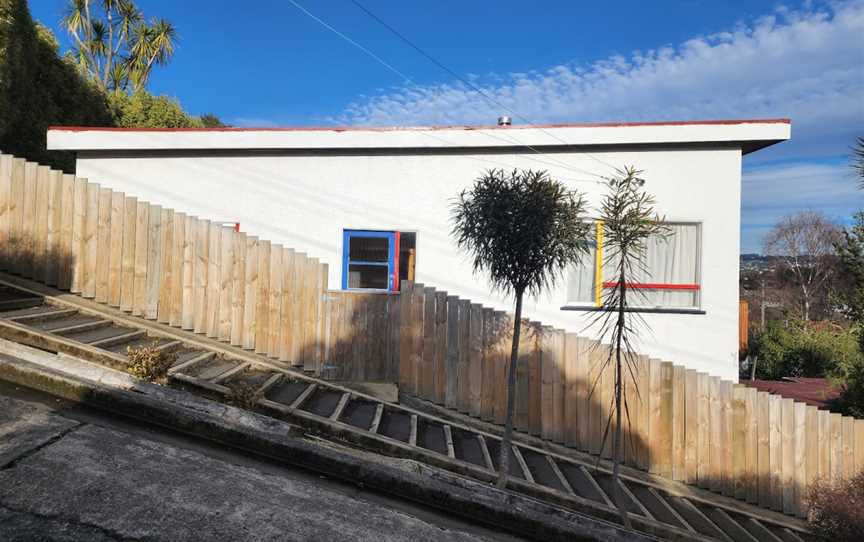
(368, 260)
(367, 276)
(369, 249)
(669, 278)
(580, 279)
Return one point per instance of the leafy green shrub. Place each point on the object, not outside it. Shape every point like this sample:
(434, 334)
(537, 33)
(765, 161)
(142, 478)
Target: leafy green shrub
(806, 349)
(835, 508)
(149, 363)
(850, 377)
(242, 394)
(144, 110)
(38, 89)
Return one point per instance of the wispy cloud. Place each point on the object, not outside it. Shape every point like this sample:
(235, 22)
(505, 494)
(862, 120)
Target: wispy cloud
(803, 64)
(806, 64)
(772, 191)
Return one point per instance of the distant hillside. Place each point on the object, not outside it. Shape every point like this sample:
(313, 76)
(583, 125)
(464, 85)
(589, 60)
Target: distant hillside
(756, 262)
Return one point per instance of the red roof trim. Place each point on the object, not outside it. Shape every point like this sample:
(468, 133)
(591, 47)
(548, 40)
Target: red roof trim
(429, 128)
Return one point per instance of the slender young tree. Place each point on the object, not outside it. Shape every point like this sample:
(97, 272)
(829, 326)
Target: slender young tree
(522, 230)
(628, 221)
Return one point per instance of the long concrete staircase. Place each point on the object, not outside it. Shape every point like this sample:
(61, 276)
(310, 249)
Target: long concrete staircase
(36, 315)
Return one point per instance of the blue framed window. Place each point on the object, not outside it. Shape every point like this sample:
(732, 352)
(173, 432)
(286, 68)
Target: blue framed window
(369, 260)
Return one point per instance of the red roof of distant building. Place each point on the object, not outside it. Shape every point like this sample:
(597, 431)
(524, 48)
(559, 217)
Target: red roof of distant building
(813, 391)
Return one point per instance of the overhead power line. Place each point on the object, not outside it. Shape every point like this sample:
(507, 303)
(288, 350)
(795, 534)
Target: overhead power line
(352, 42)
(510, 139)
(464, 81)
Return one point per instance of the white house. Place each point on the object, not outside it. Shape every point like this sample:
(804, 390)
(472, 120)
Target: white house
(375, 204)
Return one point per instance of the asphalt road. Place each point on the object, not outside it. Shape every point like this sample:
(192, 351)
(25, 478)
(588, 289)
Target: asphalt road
(69, 473)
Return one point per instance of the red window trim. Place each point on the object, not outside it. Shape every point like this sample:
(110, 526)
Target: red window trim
(395, 287)
(653, 286)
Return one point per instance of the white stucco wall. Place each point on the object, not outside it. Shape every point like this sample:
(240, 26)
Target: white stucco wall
(304, 200)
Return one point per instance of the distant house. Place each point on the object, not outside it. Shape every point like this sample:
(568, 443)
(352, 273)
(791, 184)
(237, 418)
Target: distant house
(375, 204)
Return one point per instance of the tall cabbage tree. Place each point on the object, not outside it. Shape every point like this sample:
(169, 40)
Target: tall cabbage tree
(522, 230)
(629, 220)
(114, 45)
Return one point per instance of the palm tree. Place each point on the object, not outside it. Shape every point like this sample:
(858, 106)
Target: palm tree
(118, 47)
(522, 229)
(628, 220)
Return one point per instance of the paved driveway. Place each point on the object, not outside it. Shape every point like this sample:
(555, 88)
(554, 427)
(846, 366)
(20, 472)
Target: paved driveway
(65, 475)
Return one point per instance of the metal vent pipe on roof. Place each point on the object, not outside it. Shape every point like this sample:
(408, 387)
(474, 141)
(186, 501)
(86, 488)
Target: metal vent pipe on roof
(504, 121)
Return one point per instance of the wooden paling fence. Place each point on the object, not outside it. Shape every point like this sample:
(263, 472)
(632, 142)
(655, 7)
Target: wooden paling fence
(160, 264)
(360, 336)
(683, 424)
(205, 277)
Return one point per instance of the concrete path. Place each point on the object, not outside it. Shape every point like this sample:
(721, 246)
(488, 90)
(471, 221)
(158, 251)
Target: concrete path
(71, 474)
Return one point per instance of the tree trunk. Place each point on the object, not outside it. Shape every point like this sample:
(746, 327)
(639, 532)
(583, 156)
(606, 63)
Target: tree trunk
(504, 457)
(805, 291)
(616, 439)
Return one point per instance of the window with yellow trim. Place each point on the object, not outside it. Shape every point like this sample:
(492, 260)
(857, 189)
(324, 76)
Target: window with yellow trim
(670, 280)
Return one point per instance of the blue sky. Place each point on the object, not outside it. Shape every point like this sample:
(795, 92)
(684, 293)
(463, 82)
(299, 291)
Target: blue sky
(267, 64)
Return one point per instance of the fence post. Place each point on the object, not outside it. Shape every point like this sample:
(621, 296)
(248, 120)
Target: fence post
(321, 318)
(738, 441)
(521, 419)
(787, 443)
(127, 279)
(441, 347)
(251, 292)
(406, 290)
(799, 471)
(427, 352)
(214, 280)
(175, 317)
(560, 383)
(142, 242)
(679, 411)
(55, 217)
(115, 258)
(262, 298)
(166, 265)
(418, 310)
(6, 161)
(274, 306)
(287, 339)
(67, 218)
(91, 226)
(153, 278)
(575, 412)
(725, 397)
(776, 451)
(475, 370)
(452, 364)
(546, 412)
(464, 362)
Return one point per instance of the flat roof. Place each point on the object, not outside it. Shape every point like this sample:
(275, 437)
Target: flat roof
(752, 134)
